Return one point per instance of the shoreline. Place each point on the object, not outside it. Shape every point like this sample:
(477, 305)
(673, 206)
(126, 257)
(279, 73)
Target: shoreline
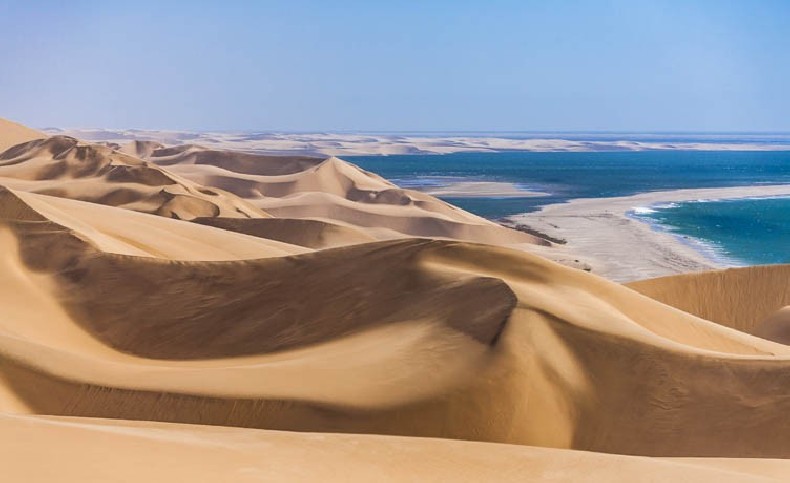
(605, 234)
(701, 246)
(479, 189)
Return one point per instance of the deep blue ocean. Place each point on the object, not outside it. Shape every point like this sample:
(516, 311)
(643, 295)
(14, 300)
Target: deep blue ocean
(744, 231)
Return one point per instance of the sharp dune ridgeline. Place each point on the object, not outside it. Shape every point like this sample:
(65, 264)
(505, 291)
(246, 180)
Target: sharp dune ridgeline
(173, 313)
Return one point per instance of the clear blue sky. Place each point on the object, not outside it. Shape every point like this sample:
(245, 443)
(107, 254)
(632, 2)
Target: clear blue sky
(622, 65)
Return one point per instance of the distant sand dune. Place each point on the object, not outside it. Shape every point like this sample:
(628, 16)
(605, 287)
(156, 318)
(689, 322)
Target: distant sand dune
(65, 167)
(331, 189)
(350, 144)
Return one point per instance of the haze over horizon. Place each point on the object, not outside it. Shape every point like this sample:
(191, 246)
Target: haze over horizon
(610, 66)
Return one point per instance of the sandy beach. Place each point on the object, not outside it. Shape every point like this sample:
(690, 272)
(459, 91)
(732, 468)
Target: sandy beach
(480, 189)
(625, 248)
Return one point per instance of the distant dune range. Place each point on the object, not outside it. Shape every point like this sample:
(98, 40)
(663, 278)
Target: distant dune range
(352, 144)
(276, 305)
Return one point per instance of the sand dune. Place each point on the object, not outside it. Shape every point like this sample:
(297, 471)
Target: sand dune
(65, 167)
(12, 133)
(512, 361)
(303, 232)
(329, 343)
(331, 189)
(189, 182)
(85, 449)
(130, 233)
(775, 327)
(741, 298)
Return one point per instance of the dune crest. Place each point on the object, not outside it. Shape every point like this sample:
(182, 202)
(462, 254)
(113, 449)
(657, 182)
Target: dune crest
(65, 167)
(740, 298)
(12, 133)
(333, 190)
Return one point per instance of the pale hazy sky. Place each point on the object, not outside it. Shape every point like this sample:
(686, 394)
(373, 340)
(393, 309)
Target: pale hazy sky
(623, 65)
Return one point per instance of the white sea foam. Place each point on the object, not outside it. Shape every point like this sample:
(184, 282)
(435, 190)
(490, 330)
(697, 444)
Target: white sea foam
(643, 210)
(662, 206)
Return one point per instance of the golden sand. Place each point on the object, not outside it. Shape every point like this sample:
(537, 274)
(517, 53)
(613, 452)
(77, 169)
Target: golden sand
(212, 316)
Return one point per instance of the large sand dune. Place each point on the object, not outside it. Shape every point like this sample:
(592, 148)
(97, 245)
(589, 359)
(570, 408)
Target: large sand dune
(12, 134)
(742, 298)
(242, 327)
(317, 202)
(330, 189)
(65, 167)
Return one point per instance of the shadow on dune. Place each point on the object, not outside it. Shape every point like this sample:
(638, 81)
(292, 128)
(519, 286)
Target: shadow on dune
(497, 345)
(181, 310)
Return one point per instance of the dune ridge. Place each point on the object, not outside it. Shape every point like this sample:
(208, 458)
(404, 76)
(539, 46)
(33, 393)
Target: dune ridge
(332, 190)
(741, 298)
(12, 133)
(312, 198)
(65, 167)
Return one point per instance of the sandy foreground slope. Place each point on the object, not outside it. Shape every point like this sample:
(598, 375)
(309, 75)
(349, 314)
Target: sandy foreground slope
(220, 354)
(142, 451)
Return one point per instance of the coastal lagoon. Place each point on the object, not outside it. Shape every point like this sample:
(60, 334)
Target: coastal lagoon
(753, 231)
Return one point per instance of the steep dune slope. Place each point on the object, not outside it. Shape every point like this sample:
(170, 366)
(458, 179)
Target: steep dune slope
(130, 233)
(775, 327)
(253, 164)
(303, 232)
(737, 297)
(12, 133)
(331, 189)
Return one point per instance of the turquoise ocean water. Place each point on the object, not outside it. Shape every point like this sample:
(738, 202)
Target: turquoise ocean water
(753, 231)
(741, 232)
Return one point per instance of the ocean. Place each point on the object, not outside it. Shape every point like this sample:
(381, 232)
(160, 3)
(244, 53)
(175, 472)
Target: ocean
(754, 231)
(739, 232)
